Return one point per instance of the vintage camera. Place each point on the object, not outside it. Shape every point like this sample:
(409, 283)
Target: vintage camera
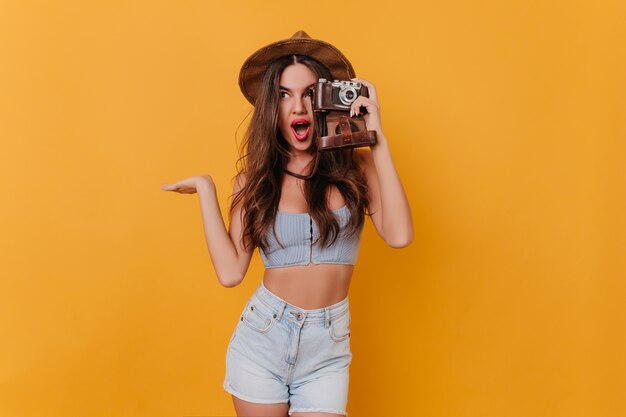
(331, 105)
(338, 95)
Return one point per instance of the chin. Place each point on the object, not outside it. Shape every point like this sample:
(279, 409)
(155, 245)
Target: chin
(301, 146)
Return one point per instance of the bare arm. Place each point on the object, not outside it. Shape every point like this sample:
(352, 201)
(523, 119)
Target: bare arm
(229, 257)
(389, 206)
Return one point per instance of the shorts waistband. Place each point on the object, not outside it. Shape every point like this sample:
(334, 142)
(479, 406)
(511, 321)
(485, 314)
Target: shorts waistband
(281, 307)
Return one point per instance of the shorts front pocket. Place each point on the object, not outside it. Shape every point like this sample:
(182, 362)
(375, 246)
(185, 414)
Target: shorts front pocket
(258, 317)
(339, 328)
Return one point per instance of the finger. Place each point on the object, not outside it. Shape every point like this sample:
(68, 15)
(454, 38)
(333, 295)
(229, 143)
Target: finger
(361, 101)
(366, 83)
(170, 187)
(355, 108)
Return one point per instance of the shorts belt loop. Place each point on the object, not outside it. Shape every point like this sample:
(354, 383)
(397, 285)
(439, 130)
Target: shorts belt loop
(327, 321)
(281, 310)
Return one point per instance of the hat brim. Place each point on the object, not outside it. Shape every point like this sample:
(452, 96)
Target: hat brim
(254, 67)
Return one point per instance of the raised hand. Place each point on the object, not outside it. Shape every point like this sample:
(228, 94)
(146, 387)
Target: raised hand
(188, 185)
(372, 118)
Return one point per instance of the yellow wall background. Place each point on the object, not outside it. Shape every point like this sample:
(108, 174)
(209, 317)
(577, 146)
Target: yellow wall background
(506, 123)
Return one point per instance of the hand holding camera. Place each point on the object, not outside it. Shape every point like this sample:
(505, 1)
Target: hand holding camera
(335, 101)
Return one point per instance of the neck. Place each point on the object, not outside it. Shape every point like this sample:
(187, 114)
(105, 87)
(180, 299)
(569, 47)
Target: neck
(298, 163)
(302, 168)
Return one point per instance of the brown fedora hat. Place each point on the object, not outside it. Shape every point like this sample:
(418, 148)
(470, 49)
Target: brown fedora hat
(300, 43)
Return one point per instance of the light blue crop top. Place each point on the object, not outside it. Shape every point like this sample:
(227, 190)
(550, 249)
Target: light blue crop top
(294, 232)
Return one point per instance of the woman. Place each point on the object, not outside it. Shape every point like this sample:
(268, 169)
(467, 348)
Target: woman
(304, 210)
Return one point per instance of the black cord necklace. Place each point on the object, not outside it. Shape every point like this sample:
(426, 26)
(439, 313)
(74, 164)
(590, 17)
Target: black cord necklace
(304, 177)
(293, 174)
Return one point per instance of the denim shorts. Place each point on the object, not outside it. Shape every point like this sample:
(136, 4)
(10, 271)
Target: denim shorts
(280, 353)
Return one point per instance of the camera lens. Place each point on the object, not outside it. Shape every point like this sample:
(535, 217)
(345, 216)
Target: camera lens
(347, 95)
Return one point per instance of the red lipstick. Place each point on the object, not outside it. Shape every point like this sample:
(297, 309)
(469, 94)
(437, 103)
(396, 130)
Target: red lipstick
(300, 129)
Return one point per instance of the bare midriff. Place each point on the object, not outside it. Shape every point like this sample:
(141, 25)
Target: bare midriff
(310, 286)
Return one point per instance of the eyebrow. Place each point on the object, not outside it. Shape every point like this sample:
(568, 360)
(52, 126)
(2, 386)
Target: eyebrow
(287, 89)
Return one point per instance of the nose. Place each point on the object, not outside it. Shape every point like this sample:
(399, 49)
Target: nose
(299, 106)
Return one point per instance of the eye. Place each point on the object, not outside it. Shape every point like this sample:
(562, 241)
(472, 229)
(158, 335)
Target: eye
(310, 92)
(282, 94)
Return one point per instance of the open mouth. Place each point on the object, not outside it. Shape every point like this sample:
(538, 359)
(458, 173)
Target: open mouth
(301, 128)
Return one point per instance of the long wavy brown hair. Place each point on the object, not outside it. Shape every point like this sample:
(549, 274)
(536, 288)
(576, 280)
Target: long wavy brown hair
(263, 157)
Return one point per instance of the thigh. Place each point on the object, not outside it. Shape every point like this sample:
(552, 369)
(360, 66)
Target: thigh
(249, 409)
